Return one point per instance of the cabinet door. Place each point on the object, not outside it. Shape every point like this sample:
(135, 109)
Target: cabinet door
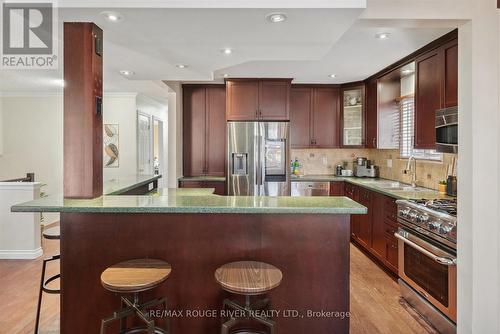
(365, 221)
(352, 129)
(371, 114)
(427, 98)
(274, 100)
(378, 226)
(220, 187)
(216, 131)
(300, 117)
(336, 188)
(450, 56)
(242, 100)
(391, 253)
(194, 119)
(325, 117)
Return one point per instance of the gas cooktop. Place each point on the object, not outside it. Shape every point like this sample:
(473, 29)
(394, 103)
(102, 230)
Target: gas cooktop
(436, 219)
(448, 206)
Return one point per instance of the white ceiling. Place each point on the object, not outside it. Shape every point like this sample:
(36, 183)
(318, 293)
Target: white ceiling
(309, 46)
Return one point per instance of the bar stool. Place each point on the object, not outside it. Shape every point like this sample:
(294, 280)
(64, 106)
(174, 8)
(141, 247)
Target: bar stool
(247, 278)
(53, 233)
(133, 277)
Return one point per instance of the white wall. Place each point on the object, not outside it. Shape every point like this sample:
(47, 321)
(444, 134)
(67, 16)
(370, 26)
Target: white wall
(33, 137)
(121, 109)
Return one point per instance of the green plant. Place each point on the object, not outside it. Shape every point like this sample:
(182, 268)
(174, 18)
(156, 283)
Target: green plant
(442, 182)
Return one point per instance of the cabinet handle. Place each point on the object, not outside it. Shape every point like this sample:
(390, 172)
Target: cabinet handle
(374, 142)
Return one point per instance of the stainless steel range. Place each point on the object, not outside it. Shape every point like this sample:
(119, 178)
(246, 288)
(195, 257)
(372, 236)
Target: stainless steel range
(427, 241)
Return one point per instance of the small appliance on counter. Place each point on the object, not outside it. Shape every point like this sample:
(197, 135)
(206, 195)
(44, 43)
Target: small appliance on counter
(363, 168)
(338, 170)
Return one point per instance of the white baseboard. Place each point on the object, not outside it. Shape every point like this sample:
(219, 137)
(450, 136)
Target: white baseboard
(20, 254)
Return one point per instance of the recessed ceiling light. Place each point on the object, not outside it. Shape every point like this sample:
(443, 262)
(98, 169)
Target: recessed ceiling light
(127, 73)
(383, 35)
(181, 66)
(112, 16)
(332, 75)
(276, 17)
(227, 51)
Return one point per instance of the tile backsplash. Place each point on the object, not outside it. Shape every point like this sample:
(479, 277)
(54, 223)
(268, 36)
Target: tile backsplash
(323, 161)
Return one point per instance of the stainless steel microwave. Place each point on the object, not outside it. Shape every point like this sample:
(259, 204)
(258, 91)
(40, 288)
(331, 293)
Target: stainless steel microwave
(447, 130)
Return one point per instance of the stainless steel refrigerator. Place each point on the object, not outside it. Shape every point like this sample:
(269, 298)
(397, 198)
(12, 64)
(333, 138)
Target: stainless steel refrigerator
(258, 158)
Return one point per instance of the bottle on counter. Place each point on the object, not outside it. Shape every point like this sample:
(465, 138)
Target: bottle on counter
(296, 166)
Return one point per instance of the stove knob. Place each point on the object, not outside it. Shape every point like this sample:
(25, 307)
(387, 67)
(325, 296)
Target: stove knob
(423, 218)
(404, 212)
(412, 215)
(445, 229)
(434, 225)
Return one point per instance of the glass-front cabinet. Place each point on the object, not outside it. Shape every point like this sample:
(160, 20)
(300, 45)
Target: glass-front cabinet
(352, 116)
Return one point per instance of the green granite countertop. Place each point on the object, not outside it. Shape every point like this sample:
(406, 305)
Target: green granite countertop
(183, 192)
(175, 202)
(203, 178)
(119, 185)
(378, 185)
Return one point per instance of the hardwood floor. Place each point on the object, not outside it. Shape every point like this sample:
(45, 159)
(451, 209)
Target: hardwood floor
(375, 303)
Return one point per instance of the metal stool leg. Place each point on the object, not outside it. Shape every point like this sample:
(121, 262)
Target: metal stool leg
(42, 281)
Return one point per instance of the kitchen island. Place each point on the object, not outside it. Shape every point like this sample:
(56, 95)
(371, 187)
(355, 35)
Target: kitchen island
(307, 238)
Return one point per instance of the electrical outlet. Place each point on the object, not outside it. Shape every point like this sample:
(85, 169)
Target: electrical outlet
(389, 163)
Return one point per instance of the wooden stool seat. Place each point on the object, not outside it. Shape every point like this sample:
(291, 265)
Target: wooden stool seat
(248, 277)
(135, 275)
(52, 233)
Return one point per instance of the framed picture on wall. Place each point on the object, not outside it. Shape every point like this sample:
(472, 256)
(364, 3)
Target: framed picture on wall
(111, 141)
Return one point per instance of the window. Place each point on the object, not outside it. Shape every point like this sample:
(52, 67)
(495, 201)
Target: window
(407, 110)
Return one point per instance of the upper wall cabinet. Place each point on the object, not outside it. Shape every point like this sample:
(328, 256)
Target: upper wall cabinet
(314, 116)
(436, 87)
(204, 128)
(371, 114)
(259, 99)
(352, 115)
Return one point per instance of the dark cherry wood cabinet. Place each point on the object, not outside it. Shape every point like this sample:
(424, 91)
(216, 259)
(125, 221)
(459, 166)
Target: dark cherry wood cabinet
(378, 226)
(314, 116)
(450, 58)
(371, 119)
(300, 117)
(204, 130)
(352, 115)
(336, 188)
(365, 222)
(325, 117)
(258, 99)
(428, 85)
(219, 186)
(274, 100)
(374, 231)
(436, 87)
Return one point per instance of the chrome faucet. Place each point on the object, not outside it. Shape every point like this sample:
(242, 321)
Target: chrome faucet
(413, 170)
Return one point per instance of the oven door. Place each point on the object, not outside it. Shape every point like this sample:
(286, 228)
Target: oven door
(429, 270)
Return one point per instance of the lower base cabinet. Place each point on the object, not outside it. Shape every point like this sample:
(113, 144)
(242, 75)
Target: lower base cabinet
(374, 231)
(219, 186)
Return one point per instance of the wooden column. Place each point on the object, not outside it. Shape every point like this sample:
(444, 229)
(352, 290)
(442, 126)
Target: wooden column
(82, 110)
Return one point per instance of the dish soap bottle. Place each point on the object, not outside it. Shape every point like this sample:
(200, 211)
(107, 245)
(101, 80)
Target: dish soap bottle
(296, 166)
